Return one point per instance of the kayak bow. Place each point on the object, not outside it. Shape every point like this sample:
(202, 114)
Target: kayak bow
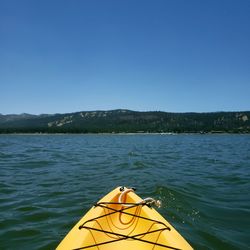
(122, 220)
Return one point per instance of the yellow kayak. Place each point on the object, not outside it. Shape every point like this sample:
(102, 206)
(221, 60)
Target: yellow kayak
(122, 220)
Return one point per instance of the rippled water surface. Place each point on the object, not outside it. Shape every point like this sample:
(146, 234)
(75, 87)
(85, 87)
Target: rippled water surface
(47, 182)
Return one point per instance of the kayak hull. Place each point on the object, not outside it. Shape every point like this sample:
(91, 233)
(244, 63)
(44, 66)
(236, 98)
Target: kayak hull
(130, 224)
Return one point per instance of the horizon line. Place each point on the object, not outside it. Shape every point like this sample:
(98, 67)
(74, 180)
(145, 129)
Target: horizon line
(125, 109)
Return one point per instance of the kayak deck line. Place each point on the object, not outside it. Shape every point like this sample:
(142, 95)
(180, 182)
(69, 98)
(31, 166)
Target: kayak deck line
(122, 211)
(122, 220)
(123, 236)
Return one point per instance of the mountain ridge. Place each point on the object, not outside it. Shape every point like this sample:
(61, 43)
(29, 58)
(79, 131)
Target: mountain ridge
(127, 121)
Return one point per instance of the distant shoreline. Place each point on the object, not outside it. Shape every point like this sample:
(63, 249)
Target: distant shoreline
(127, 122)
(140, 133)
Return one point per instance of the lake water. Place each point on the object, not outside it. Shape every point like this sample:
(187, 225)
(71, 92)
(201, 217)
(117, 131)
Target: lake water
(47, 182)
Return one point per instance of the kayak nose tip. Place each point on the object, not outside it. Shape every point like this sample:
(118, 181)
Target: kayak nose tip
(123, 188)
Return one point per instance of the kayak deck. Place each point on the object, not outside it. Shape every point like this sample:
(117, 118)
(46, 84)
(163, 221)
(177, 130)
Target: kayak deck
(130, 224)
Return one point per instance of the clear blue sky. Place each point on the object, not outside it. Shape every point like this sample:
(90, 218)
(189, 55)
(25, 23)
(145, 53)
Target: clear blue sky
(169, 55)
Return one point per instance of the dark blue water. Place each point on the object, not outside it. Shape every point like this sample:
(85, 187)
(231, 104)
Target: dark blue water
(47, 182)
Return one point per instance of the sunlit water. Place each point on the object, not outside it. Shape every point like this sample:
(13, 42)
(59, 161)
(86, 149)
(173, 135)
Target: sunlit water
(47, 182)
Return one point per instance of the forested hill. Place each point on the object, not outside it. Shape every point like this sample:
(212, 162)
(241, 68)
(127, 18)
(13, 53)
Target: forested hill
(127, 121)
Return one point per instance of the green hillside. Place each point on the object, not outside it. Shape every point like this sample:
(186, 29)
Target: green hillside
(127, 121)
